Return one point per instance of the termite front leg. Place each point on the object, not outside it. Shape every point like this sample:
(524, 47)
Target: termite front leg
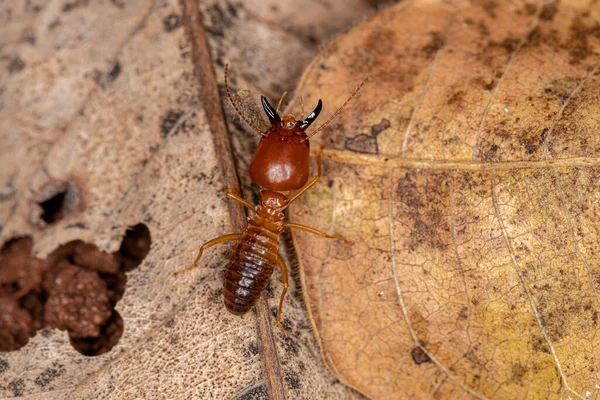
(284, 279)
(210, 243)
(311, 182)
(233, 195)
(314, 231)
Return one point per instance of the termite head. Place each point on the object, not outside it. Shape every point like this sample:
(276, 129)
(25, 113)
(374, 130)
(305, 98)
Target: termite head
(282, 160)
(273, 199)
(289, 125)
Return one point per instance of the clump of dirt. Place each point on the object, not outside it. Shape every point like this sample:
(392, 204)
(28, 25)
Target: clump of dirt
(76, 288)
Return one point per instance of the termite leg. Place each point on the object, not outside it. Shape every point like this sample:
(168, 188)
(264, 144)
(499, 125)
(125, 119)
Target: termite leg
(301, 107)
(314, 231)
(210, 243)
(284, 279)
(281, 101)
(234, 196)
(310, 183)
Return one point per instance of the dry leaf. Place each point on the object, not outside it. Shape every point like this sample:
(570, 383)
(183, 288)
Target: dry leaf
(99, 105)
(467, 175)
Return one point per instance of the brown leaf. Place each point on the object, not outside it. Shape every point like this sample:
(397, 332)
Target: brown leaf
(104, 125)
(475, 269)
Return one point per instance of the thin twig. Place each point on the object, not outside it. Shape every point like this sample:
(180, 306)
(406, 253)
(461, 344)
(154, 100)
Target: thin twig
(211, 102)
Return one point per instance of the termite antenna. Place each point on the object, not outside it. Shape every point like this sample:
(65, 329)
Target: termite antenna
(353, 95)
(280, 101)
(235, 107)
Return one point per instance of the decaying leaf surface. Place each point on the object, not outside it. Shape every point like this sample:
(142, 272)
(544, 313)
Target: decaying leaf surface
(467, 175)
(98, 100)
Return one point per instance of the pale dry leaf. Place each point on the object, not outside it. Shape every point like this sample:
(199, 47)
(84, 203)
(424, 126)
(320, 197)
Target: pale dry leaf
(101, 98)
(466, 173)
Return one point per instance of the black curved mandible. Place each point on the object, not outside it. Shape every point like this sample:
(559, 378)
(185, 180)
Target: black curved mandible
(312, 117)
(271, 112)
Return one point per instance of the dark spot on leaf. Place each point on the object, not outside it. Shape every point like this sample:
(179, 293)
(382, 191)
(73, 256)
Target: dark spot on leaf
(292, 380)
(486, 85)
(118, 3)
(290, 345)
(218, 20)
(578, 44)
(457, 97)
(422, 193)
(419, 356)
(483, 29)
(530, 8)
(49, 375)
(171, 22)
(510, 44)
(287, 324)
(253, 348)
(232, 10)
(169, 122)
(105, 79)
(3, 366)
(518, 371)
(74, 4)
(437, 42)
(17, 387)
(7, 191)
(255, 393)
(16, 65)
(363, 144)
(539, 344)
(491, 154)
(489, 6)
(549, 10)
(54, 24)
(114, 72)
(78, 225)
(380, 127)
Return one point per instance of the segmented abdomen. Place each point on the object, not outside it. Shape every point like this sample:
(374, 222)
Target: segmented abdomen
(250, 267)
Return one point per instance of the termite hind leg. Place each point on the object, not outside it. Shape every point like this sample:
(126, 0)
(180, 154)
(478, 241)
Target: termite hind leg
(284, 279)
(233, 195)
(210, 243)
(314, 231)
(311, 182)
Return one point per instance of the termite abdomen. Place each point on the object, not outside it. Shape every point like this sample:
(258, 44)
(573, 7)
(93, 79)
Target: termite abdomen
(251, 265)
(243, 285)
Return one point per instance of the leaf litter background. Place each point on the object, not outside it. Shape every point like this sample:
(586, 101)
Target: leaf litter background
(102, 94)
(467, 175)
(479, 163)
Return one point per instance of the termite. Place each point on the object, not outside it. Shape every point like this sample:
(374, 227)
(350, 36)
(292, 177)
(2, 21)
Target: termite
(281, 163)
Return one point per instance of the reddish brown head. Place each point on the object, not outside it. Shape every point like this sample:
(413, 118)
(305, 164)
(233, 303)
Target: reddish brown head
(282, 160)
